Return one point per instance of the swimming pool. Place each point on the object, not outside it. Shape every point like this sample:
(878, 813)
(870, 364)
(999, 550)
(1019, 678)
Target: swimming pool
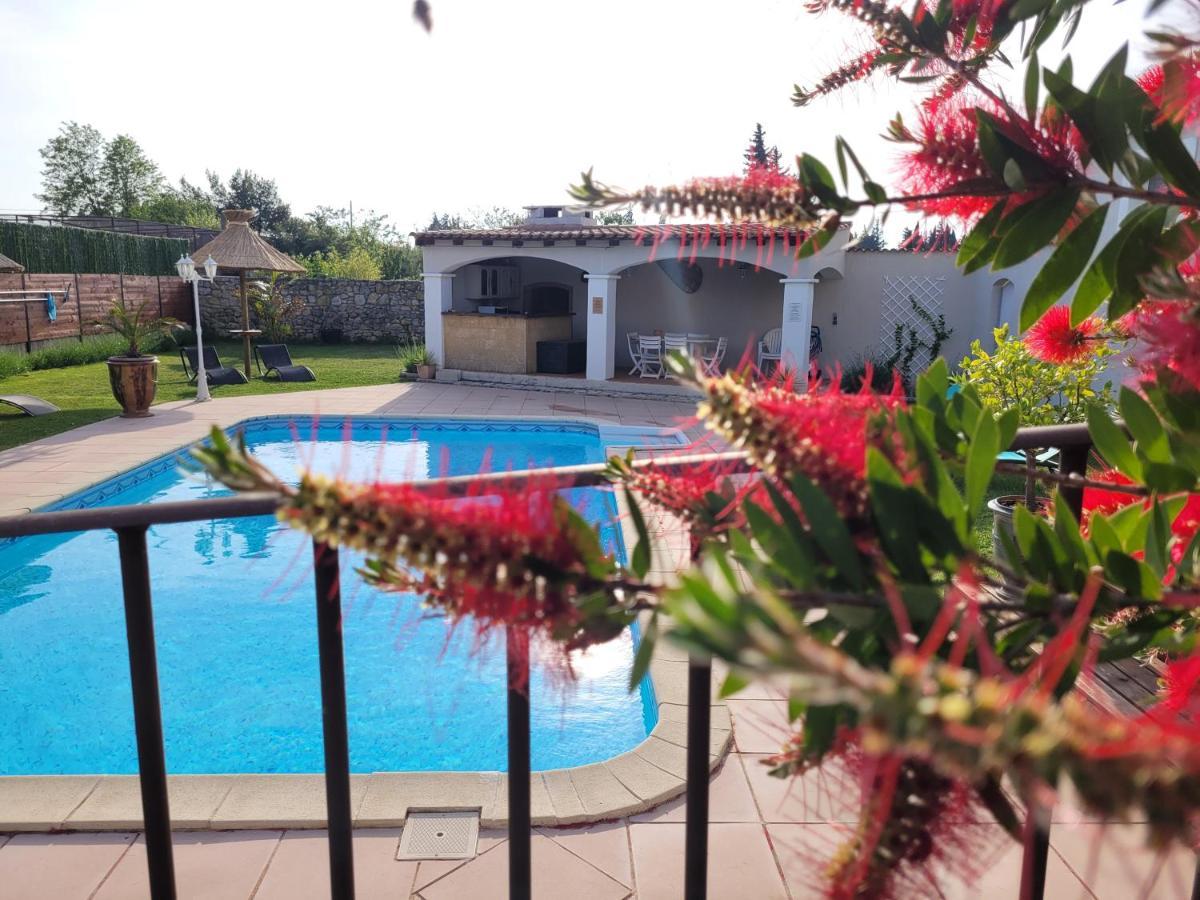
(236, 632)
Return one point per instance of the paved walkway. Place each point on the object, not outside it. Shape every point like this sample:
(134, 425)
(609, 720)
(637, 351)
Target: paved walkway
(767, 837)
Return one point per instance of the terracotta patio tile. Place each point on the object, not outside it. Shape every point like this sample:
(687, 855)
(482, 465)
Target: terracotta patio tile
(822, 795)
(557, 874)
(300, 867)
(208, 866)
(1115, 862)
(729, 799)
(59, 866)
(430, 870)
(759, 726)
(605, 846)
(740, 863)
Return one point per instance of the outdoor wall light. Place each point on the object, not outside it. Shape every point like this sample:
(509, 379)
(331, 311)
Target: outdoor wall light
(186, 267)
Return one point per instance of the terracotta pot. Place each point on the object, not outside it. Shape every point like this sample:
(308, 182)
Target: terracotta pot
(427, 373)
(134, 381)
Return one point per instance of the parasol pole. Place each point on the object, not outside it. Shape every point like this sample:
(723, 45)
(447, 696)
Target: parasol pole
(245, 325)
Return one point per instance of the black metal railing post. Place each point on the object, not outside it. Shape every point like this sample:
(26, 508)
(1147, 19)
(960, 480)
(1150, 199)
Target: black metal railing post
(699, 718)
(147, 710)
(1073, 458)
(333, 721)
(520, 871)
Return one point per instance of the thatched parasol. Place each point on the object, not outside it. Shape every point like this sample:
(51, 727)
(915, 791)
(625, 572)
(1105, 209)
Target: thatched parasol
(10, 266)
(240, 249)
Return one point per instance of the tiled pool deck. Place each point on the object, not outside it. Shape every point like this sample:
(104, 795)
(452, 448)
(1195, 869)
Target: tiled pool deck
(762, 831)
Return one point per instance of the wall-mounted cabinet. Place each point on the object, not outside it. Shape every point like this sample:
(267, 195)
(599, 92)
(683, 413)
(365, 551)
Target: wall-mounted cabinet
(485, 282)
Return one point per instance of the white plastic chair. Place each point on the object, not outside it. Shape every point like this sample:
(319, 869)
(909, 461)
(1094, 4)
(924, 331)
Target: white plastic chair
(712, 364)
(651, 348)
(674, 340)
(770, 349)
(635, 352)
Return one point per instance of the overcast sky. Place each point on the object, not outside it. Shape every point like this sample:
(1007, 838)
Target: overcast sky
(503, 104)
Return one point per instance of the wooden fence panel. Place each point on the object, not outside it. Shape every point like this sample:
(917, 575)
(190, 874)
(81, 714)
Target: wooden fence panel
(89, 301)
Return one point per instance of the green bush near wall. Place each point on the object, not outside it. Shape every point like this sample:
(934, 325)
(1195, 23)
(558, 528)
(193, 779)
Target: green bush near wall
(58, 249)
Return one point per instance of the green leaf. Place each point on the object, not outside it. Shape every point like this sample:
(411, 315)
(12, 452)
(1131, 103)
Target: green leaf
(978, 237)
(639, 560)
(1110, 441)
(733, 684)
(829, 531)
(1145, 426)
(1158, 536)
(1032, 82)
(1162, 143)
(981, 462)
(645, 652)
(1139, 254)
(1062, 268)
(1041, 221)
(1066, 526)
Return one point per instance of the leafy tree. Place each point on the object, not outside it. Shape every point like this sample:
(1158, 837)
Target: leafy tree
(246, 190)
(400, 260)
(614, 216)
(71, 180)
(127, 176)
(357, 264)
(185, 205)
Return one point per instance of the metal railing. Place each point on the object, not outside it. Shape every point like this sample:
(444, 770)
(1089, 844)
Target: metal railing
(131, 524)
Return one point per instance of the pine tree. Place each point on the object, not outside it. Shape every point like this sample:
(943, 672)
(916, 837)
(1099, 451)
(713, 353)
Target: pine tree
(756, 154)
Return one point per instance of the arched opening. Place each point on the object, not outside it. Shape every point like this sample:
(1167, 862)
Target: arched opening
(504, 307)
(734, 301)
(1003, 306)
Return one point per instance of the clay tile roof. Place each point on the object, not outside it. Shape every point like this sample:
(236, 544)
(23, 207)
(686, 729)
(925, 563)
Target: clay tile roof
(639, 234)
(240, 248)
(8, 265)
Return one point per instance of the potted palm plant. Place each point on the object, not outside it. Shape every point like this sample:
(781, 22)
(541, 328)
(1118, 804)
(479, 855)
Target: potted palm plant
(133, 376)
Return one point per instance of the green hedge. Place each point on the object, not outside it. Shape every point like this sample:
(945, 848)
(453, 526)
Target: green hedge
(58, 249)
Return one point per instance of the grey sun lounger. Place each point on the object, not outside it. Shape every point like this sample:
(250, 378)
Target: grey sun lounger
(276, 358)
(214, 373)
(31, 406)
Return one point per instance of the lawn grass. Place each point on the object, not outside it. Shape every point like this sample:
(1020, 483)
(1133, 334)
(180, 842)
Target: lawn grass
(83, 395)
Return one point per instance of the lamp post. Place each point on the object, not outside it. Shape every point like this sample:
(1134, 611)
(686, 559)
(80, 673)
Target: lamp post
(186, 268)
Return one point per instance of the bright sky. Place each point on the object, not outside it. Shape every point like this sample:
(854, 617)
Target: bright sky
(502, 105)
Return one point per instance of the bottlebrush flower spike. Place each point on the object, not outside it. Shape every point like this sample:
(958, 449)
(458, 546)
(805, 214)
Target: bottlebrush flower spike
(1168, 335)
(764, 195)
(504, 554)
(823, 434)
(701, 495)
(1054, 339)
(947, 159)
(1175, 89)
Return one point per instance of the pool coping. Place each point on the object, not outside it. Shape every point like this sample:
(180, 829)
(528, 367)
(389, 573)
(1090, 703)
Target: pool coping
(649, 774)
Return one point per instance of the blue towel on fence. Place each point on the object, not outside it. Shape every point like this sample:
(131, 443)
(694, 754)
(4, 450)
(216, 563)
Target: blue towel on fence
(51, 308)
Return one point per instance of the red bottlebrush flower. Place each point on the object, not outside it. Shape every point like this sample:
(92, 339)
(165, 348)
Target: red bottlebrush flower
(1054, 339)
(1168, 335)
(1174, 89)
(823, 434)
(508, 555)
(948, 158)
(701, 495)
(1099, 501)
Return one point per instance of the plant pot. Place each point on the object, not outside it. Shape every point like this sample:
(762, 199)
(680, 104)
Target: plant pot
(134, 381)
(427, 373)
(1003, 509)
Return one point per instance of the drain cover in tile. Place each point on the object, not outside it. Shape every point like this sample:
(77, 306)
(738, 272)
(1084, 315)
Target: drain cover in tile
(450, 834)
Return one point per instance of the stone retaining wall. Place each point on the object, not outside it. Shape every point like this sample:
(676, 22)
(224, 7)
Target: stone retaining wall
(366, 311)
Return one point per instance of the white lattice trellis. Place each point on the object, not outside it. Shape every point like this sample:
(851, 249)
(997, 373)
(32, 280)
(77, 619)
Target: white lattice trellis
(896, 309)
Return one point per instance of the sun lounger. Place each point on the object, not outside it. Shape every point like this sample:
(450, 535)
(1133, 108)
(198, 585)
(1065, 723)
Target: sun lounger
(214, 373)
(31, 406)
(276, 358)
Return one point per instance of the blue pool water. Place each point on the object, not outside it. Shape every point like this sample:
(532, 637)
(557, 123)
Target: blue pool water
(236, 633)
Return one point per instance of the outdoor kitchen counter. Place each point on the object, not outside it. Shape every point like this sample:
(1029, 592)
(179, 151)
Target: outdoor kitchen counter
(499, 342)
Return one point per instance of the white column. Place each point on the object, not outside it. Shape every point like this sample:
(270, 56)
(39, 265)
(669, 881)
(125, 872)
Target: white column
(797, 326)
(439, 297)
(601, 326)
